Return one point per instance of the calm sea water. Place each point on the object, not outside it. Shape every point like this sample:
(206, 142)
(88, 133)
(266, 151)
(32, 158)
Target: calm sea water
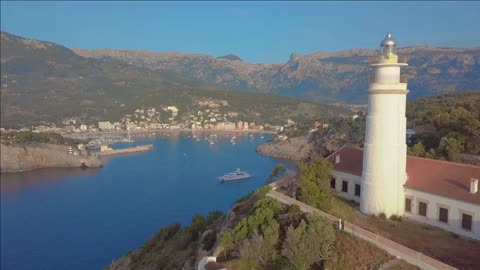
(82, 219)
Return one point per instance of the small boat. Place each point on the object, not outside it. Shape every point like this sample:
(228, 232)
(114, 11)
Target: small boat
(236, 175)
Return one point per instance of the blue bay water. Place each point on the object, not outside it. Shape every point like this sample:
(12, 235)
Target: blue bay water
(82, 219)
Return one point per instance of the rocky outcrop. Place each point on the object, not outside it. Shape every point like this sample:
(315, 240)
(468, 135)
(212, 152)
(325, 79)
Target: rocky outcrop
(24, 158)
(294, 149)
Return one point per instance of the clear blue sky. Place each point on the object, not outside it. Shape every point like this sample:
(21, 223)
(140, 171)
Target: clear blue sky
(255, 31)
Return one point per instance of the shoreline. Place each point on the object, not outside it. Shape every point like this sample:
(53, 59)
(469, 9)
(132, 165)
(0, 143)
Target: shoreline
(19, 158)
(48, 168)
(168, 130)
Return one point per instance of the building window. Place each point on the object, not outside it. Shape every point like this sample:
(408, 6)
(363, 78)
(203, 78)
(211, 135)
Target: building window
(466, 221)
(408, 205)
(345, 186)
(357, 190)
(443, 215)
(422, 209)
(333, 182)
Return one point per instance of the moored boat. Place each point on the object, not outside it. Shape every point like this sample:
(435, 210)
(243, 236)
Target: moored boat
(236, 175)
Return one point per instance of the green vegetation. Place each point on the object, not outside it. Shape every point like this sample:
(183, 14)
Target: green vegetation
(268, 244)
(272, 236)
(28, 137)
(456, 120)
(52, 84)
(447, 126)
(264, 213)
(314, 183)
(341, 129)
(261, 249)
(261, 192)
(308, 244)
(173, 245)
(279, 169)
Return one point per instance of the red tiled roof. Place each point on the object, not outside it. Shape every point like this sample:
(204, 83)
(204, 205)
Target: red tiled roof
(439, 177)
(351, 160)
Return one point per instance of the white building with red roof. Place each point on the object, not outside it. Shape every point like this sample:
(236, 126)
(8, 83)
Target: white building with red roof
(382, 179)
(441, 193)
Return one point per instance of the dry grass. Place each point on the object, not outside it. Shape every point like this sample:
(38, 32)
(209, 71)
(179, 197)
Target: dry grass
(447, 247)
(354, 253)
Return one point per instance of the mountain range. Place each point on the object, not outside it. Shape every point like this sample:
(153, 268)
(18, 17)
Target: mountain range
(43, 82)
(322, 76)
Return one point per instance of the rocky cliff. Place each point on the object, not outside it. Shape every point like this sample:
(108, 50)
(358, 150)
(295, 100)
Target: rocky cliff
(322, 76)
(24, 158)
(297, 148)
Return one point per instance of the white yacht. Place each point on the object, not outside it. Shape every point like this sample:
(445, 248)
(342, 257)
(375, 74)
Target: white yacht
(236, 175)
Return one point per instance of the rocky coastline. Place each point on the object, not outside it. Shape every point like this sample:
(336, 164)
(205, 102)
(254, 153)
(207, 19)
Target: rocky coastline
(35, 156)
(296, 149)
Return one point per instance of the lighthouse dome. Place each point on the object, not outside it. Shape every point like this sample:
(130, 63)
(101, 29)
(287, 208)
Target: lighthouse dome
(388, 41)
(388, 46)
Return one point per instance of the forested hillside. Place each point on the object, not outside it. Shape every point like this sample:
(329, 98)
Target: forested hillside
(447, 126)
(42, 82)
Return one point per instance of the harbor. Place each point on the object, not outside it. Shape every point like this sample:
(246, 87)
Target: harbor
(107, 151)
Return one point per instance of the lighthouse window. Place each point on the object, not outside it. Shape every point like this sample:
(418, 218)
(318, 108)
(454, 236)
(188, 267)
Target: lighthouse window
(422, 209)
(443, 214)
(345, 186)
(466, 222)
(357, 190)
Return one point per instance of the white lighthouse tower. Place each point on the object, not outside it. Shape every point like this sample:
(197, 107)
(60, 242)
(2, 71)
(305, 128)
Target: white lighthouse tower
(385, 151)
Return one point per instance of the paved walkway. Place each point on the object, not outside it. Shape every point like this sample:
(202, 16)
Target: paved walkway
(395, 249)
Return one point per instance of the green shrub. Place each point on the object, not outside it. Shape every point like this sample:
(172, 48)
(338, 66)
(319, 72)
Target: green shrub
(308, 243)
(382, 216)
(265, 211)
(314, 183)
(226, 242)
(197, 226)
(262, 192)
(262, 248)
(293, 208)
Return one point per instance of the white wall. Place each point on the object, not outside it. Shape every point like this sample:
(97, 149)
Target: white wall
(352, 180)
(433, 201)
(454, 207)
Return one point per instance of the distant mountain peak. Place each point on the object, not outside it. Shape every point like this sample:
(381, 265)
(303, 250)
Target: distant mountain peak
(231, 57)
(295, 57)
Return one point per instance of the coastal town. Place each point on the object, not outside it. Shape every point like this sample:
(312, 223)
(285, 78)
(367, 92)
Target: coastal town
(211, 114)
